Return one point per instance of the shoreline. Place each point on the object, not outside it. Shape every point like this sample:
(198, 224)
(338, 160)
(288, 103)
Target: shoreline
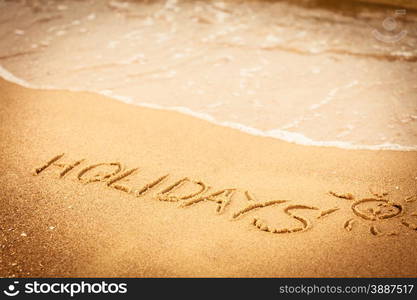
(286, 136)
(286, 210)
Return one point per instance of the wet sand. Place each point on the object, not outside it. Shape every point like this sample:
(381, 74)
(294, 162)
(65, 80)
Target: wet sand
(81, 197)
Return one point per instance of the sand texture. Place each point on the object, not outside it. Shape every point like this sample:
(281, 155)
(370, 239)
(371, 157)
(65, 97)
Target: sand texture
(95, 187)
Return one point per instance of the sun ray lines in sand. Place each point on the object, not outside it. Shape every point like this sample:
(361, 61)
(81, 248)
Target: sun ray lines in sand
(349, 224)
(327, 212)
(188, 192)
(373, 211)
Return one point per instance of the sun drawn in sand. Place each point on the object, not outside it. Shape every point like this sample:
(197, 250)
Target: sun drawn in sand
(374, 211)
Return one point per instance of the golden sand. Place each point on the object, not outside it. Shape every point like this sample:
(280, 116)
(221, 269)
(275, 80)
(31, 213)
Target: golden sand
(82, 178)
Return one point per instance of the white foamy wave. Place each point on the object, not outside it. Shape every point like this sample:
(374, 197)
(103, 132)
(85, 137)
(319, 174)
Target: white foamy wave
(287, 136)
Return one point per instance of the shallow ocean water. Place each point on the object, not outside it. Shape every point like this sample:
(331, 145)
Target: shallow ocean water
(306, 72)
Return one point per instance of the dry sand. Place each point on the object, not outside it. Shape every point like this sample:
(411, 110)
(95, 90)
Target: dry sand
(89, 221)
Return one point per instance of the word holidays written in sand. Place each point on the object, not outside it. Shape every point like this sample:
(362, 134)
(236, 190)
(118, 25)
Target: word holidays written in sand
(187, 193)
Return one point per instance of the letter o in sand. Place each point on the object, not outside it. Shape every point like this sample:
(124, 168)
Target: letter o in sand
(110, 169)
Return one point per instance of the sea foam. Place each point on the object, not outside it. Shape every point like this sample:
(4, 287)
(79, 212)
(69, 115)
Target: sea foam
(291, 137)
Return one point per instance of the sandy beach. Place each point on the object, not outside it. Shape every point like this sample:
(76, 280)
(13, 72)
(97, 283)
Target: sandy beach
(94, 187)
(188, 138)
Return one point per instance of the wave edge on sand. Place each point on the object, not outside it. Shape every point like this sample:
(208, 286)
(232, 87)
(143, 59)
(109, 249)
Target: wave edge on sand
(291, 137)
